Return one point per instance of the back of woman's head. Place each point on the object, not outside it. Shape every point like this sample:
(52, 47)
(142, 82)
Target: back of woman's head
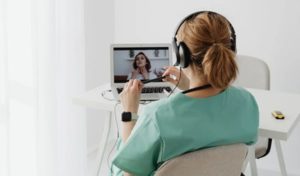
(208, 38)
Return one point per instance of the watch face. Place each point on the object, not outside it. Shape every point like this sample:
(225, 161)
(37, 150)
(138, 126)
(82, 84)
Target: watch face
(126, 116)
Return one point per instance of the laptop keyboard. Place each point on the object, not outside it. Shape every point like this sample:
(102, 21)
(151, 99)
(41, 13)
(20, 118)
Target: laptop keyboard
(150, 89)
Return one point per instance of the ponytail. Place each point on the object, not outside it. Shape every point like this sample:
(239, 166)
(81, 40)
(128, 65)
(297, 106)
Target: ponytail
(219, 66)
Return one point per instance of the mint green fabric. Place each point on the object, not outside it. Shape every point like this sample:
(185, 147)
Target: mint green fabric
(180, 124)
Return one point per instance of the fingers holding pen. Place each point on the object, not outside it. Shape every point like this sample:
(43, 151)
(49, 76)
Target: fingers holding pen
(176, 77)
(130, 95)
(137, 85)
(128, 84)
(133, 85)
(172, 74)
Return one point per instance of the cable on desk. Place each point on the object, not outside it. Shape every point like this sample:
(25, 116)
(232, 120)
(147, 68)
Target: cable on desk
(103, 94)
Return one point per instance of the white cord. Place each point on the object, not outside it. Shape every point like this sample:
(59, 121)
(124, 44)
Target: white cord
(116, 140)
(103, 94)
(172, 91)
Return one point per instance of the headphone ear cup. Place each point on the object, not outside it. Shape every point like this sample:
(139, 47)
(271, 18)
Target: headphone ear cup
(233, 47)
(175, 47)
(184, 55)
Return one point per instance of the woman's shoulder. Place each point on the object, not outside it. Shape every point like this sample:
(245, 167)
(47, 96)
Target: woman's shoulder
(239, 92)
(242, 96)
(156, 105)
(161, 106)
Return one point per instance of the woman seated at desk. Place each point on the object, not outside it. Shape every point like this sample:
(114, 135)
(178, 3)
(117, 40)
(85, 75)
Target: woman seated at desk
(209, 112)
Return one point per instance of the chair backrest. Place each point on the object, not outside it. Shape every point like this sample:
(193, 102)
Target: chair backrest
(254, 73)
(224, 160)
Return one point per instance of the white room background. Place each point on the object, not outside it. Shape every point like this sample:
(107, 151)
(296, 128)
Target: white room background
(99, 33)
(52, 40)
(41, 68)
(267, 29)
(49, 53)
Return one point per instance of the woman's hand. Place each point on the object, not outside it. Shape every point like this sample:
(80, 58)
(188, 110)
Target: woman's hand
(144, 72)
(130, 96)
(173, 75)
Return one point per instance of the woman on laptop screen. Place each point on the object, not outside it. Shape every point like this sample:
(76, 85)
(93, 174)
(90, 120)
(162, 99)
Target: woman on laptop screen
(208, 112)
(141, 68)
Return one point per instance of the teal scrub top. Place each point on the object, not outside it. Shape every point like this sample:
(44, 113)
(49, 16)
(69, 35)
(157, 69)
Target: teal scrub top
(180, 124)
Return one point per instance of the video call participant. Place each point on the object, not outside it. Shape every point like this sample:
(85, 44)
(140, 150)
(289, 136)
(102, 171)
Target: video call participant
(141, 68)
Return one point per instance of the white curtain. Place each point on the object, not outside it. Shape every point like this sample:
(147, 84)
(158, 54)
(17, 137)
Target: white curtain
(41, 68)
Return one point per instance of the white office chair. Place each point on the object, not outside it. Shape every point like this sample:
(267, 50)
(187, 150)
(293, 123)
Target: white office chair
(224, 160)
(254, 73)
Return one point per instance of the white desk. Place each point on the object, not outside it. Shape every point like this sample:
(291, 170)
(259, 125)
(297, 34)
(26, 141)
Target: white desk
(267, 101)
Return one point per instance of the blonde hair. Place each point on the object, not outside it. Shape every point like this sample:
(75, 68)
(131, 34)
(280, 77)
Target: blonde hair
(208, 38)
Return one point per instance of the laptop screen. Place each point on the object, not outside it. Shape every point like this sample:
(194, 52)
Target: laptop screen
(139, 62)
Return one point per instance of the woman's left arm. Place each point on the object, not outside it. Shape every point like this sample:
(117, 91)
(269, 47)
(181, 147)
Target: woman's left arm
(130, 98)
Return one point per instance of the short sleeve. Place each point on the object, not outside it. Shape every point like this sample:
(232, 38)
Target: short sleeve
(139, 155)
(254, 120)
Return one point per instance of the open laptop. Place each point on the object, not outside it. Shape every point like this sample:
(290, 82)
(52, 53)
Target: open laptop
(126, 64)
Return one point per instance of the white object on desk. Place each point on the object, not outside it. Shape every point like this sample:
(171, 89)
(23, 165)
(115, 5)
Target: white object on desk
(269, 127)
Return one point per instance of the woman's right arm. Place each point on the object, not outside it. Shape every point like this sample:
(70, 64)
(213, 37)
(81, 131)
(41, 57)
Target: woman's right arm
(173, 75)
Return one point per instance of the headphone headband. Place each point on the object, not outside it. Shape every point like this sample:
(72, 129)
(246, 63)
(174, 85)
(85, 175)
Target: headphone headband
(182, 51)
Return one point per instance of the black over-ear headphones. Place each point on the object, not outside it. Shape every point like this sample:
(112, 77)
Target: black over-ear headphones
(183, 54)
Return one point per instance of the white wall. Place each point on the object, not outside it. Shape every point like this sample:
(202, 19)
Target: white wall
(99, 25)
(266, 29)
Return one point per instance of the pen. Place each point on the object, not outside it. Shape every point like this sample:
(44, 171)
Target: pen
(152, 80)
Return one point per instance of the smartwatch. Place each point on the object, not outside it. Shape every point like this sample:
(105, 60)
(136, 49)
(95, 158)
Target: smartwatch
(129, 116)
